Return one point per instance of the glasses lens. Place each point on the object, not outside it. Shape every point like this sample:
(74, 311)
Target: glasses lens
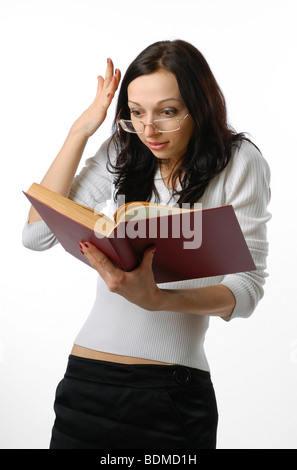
(167, 125)
(132, 126)
(160, 125)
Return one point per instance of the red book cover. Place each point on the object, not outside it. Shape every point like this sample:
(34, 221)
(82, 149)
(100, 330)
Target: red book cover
(189, 245)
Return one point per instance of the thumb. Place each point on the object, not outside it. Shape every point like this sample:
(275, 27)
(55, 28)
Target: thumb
(148, 256)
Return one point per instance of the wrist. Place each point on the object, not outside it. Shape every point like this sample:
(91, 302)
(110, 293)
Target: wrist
(215, 300)
(79, 132)
(164, 300)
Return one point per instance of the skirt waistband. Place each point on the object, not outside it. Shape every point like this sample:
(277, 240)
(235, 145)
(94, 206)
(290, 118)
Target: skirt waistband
(139, 375)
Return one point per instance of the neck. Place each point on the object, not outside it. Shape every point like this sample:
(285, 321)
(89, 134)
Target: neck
(167, 170)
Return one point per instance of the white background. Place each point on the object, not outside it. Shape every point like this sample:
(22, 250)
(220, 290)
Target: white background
(51, 54)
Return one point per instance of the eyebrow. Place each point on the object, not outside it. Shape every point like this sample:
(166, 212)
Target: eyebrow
(159, 102)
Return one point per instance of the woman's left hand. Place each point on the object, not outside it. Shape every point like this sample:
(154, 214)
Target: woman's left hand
(137, 286)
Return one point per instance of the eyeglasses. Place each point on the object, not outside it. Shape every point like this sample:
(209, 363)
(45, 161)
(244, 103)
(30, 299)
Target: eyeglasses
(160, 125)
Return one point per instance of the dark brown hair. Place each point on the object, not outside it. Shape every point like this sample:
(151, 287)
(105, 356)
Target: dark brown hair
(209, 149)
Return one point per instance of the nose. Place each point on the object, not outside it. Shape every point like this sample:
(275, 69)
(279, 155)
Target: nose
(149, 130)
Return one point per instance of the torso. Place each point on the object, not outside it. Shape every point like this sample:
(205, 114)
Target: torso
(80, 351)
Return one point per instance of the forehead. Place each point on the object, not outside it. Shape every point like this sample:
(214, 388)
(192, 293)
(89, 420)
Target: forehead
(153, 88)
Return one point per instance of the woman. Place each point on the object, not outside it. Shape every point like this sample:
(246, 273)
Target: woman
(137, 375)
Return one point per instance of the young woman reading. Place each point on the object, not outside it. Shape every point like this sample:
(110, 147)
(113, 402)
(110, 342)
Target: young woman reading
(137, 375)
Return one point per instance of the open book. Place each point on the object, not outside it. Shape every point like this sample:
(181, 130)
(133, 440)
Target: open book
(190, 243)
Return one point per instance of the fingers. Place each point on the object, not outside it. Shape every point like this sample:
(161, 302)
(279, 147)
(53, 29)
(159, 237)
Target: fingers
(117, 75)
(137, 286)
(96, 257)
(107, 86)
(100, 84)
(109, 70)
(112, 78)
(101, 263)
(112, 275)
(106, 267)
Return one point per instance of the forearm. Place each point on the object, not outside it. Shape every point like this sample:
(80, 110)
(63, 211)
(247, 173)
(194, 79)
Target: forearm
(215, 300)
(63, 169)
(60, 175)
(139, 287)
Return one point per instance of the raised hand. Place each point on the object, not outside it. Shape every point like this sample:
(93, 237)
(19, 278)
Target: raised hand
(95, 114)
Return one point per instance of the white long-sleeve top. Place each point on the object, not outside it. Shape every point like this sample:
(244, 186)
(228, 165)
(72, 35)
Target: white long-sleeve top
(118, 326)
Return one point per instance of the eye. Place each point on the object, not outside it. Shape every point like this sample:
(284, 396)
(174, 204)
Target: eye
(136, 113)
(169, 112)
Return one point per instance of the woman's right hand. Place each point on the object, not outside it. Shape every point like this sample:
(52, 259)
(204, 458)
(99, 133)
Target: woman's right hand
(94, 116)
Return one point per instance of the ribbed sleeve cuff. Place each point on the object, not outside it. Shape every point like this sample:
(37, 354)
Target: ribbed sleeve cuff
(247, 294)
(37, 236)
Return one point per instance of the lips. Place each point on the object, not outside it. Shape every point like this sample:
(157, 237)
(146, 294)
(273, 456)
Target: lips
(157, 145)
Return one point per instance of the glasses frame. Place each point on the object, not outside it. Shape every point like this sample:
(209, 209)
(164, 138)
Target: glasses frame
(153, 123)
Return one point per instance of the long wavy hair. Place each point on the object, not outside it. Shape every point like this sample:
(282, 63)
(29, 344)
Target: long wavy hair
(209, 149)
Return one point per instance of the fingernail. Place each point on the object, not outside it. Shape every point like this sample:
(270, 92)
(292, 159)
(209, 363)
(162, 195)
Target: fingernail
(82, 252)
(79, 244)
(86, 245)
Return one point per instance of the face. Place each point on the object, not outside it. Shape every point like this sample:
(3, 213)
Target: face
(157, 96)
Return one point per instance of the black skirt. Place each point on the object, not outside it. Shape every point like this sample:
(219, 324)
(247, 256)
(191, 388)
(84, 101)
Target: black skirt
(103, 405)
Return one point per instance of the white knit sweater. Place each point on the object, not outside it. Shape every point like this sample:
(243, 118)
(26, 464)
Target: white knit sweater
(120, 327)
